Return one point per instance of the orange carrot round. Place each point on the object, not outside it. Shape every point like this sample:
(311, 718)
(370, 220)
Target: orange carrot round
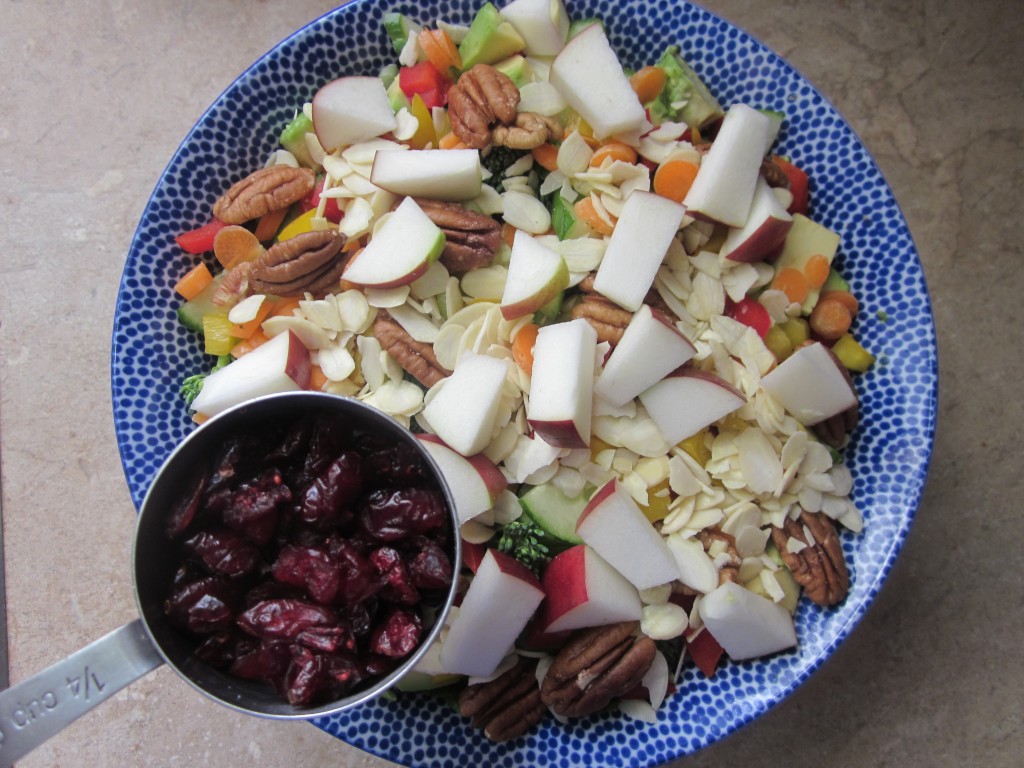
(194, 282)
(845, 297)
(793, 283)
(816, 269)
(674, 179)
(522, 347)
(439, 49)
(648, 82)
(830, 319)
(587, 213)
(546, 156)
(615, 150)
(451, 141)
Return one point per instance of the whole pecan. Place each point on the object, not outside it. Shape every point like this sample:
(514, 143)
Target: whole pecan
(507, 706)
(481, 98)
(819, 567)
(416, 358)
(597, 665)
(529, 131)
(606, 317)
(730, 571)
(263, 191)
(471, 238)
(311, 262)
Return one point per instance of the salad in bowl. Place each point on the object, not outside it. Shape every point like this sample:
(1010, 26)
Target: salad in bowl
(604, 291)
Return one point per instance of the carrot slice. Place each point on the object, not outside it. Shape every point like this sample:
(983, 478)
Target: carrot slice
(844, 297)
(793, 283)
(522, 347)
(546, 156)
(648, 82)
(816, 269)
(451, 141)
(317, 378)
(269, 223)
(248, 345)
(830, 319)
(586, 212)
(674, 179)
(615, 150)
(439, 49)
(193, 282)
(249, 327)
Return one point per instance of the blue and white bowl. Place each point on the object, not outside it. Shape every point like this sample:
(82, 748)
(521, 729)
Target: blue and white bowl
(889, 457)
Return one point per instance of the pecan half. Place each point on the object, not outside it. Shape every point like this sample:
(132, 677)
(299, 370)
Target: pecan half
(819, 567)
(263, 191)
(730, 571)
(835, 431)
(481, 98)
(416, 358)
(606, 317)
(507, 706)
(529, 131)
(471, 238)
(308, 263)
(596, 666)
(652, 299)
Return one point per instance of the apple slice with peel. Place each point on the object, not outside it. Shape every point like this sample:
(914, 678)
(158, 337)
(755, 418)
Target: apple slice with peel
(614, 527)
(463, 412)
(279, 365)
(811, 384)
(400, 251)
(687, 400)
(766, 228)
(582, 590)
(536, 275)
(588, 74)
(724, 187)
(638, 245)
(543, 24)
(440, 174)
(475, 481)
(498, 604)
(562, 383)
(351, 109)
(745, 624)
(651, 347)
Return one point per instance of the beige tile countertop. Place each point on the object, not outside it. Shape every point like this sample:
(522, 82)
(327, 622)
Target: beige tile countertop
(94, 98)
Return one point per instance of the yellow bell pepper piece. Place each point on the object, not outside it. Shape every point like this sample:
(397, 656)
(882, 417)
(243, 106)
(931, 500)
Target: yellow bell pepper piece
(297, 226)
(658, 499)
(695, 446)
(425, 133)
(852, 355)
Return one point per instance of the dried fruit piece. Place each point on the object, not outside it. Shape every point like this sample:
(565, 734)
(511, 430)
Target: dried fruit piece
(263, 191)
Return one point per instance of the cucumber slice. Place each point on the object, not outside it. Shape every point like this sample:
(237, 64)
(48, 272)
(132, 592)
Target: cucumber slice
(554, 512)
(293, 138)
(835, 282)
(192, 312)
(579, 25)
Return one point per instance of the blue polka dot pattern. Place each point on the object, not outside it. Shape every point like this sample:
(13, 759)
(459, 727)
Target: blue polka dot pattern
(889, 457)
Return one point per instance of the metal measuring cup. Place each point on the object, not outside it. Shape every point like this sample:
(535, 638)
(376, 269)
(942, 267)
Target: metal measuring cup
(39, 707)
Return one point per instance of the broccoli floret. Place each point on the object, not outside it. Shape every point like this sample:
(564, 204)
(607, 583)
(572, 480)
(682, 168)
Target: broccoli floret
(522, 540)
(498, 159)
(193, 385)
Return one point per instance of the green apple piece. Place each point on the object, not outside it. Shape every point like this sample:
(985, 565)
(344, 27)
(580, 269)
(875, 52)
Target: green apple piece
(684, 98)
(577, 26)
(543, 24)
(517, 69)
(489, 39)
(396, 97)
(293, 138)
(806, 239)
(554, 512)
(536, 275)
(786, 582)
(400, 251)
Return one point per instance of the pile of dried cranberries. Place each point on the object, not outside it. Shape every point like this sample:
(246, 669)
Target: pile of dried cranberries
(310, 557)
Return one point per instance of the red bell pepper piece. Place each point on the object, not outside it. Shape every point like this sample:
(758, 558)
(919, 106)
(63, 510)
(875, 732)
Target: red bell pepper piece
(705, 652)
(200, 240)
(424, 79)
(331, 210)
(798, 184)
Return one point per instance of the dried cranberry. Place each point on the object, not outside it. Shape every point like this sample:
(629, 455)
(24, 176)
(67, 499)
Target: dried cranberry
(397, 635)
(224, 552)
(205, 606)
(431, 568)
(311, 568)
(395, 513)
(389, 464)
(398, 583)
(292, 443)
(359, 579)
(378, 666)
(359, 617)
(271, 590)
(306, 675)
(278, 620)
(184, 512)
(252, 510)
(218, 650)
(326, 639)
(345, 672)
(327, 498)
(260, 661)
(326, 442)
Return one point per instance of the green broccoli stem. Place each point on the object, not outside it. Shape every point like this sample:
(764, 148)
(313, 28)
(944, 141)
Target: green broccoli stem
(522, 540)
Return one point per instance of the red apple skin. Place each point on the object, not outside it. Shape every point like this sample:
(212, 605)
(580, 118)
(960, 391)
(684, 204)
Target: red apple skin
(596, 500)
(494, 481)
(561, 434)
(697, 373)
(511, 566)
(472, 555)
(762, 242)
(297, 365)
(410, 277)
(565, 583)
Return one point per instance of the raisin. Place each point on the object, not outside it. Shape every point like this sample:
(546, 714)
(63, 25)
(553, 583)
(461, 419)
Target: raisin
(283, 620)
(224, 552)
(397, 635)
(327, 498)
(398, 586)
(205, 606)
(396, 513)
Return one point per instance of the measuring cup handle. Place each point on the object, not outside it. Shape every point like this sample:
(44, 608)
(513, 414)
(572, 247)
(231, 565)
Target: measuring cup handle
(37, 708)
